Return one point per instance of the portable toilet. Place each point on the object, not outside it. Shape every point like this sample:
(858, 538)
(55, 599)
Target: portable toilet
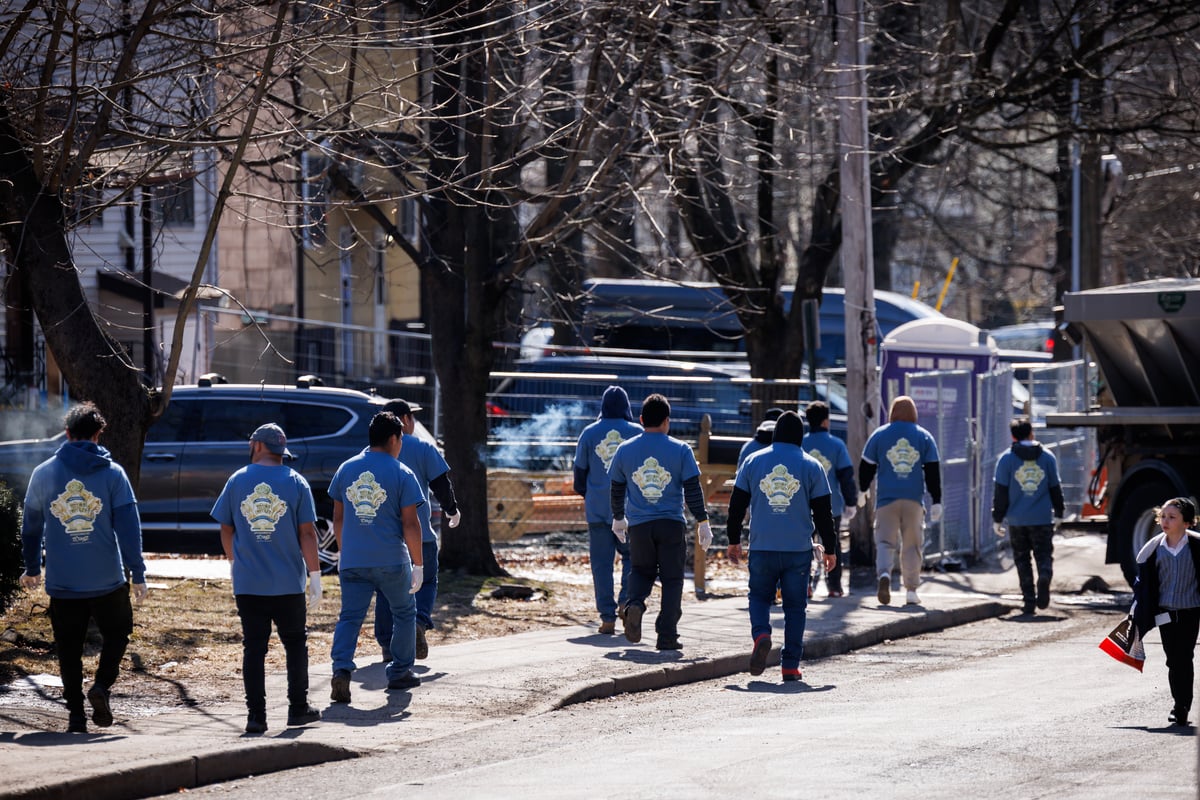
(925, 345)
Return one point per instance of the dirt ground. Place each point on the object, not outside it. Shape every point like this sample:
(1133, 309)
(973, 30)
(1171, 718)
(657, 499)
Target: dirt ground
(186, 646)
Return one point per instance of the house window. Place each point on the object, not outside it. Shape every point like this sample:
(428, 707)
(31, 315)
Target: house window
(175, 204)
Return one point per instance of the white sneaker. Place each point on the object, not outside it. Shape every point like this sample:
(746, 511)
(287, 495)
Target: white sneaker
(911, 598)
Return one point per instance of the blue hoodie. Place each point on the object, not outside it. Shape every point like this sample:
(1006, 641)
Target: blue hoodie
(594, 451)
(80, 506)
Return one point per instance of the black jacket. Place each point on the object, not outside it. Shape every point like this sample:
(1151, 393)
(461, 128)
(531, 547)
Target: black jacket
(1145, 588)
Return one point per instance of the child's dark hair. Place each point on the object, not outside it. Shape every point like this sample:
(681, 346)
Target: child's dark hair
(1187, 509)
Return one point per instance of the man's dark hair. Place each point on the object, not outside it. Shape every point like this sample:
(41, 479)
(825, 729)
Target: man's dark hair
(816, 413)
(655, 410)
(1022, 430)
(384, 426)
(84, 421)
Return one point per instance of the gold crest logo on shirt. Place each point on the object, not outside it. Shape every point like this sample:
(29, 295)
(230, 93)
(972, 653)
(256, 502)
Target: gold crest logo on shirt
(903, 457)
(607, 447)
(652, 479)
(779, 486)
(366, 496)
(826, 464)
(1029, 477)
(262, 509)
(77, 508)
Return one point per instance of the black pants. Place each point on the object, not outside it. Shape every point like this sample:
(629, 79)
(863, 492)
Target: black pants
(288, 612)
(1179, 645)
(69, 619)
(657, 550)
(1038, 539)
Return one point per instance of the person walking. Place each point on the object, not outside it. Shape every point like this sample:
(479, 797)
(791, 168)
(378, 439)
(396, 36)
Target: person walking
(375, 501)
(652, 476)
(905, 458)
(787, 493)
(266, 513)
(433, 474)
(1028, 494)
(839, 471)
(81, 509)
(594, 451)
(1167, 594)
(762, 435)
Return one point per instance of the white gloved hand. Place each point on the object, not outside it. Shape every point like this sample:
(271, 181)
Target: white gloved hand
(935, 512)
(140, 593)
(704, 535)
(1000, 529)
(620, 529)
(862, 499)
(30, 582)
(848, 513)
(417, 579)
(314, 589)
(453, 520)
(1056, 521)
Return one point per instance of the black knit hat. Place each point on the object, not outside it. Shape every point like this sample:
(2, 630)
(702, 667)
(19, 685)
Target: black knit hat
(789, 428)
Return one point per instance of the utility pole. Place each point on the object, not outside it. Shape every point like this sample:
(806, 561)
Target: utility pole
(862, 379)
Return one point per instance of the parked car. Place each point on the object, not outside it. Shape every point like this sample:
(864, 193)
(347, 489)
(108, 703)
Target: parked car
(200, 440)
(1036, 337)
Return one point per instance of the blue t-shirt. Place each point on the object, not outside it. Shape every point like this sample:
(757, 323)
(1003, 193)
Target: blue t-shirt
(594, 452)
(1028, 483)
(781, 479)
(80, 507)
(900, 450)
(653, 467)
(834, 457)
(373, 488)
(266, 504)
(427, 464)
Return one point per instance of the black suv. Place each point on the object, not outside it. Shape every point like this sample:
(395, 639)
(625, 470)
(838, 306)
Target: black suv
(201, 439)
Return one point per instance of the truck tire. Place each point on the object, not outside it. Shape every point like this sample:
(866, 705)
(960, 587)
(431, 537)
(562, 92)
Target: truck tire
(1136, 521)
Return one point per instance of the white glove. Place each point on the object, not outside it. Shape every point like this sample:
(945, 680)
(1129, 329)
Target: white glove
(620, 529)
(314, 589)
(1056, 521)
(848, 513)
(704, 535)
(31, 582)
(418, 578)
(935, 512)
(999, 528)
(862, 499)
(453, 520)
(140, 593)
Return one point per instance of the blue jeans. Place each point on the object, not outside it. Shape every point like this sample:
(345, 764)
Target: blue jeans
(358, 585)
(425, 597)
(789, 572)
(602, 550)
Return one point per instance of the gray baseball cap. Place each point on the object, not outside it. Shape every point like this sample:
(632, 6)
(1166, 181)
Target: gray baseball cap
(273, 437)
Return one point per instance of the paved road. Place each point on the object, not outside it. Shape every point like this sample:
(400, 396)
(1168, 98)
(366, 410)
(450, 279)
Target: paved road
(1001, 708)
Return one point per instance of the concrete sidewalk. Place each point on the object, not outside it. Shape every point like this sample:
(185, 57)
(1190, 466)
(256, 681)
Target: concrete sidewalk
(476, 683)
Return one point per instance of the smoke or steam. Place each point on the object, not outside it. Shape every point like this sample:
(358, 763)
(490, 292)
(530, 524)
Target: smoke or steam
(30, 424)
(545, 440)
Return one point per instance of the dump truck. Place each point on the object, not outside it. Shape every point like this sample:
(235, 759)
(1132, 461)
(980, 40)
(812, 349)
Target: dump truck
(1145, 341)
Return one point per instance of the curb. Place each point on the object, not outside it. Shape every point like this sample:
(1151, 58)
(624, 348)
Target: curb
(823, 647)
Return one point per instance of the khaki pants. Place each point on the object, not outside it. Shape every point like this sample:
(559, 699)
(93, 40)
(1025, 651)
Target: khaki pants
(900, 527)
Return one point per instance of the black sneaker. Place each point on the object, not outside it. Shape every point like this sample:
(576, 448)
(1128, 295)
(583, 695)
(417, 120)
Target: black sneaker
(101, 710)
(256, 722)
(407, 680)
(758, 656)
(302, 715)
(77, 721)
(633, 623)
(339, 687)
(1043, 593)
(1178, 716)
(422, 642)
(669, 643)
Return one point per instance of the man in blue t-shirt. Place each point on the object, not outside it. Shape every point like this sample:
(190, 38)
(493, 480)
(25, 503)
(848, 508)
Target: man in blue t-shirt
(375, 519)
(787, 494)
(266, 513)
(1029, 494)
(762, 436)
(652, 476)
(839, 470)
(906, 459)
(433, 473)
(80, 506)
(593, 455)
